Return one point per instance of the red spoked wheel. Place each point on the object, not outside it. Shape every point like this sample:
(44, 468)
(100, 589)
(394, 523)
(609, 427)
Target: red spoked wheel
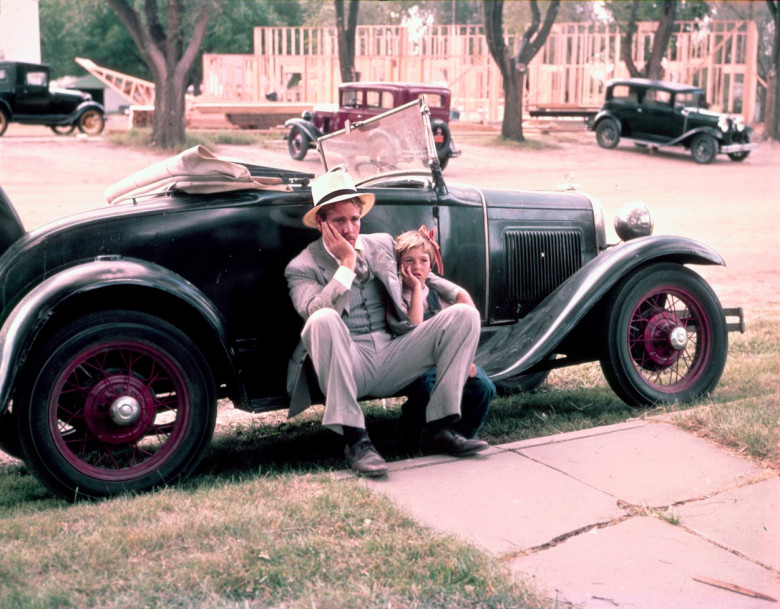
(119, 405)
(666, 337)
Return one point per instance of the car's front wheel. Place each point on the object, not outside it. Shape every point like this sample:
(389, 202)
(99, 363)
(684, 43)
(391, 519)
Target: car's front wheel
(665, 336)
(3, 122)
(608, 133)
(297, 144)
(740, 156)
(91, 122)
(704, 148)
(117, 403)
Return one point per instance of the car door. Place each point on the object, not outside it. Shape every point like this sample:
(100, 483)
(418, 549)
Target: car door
(32, 91)
(656, 119)
(624, 105)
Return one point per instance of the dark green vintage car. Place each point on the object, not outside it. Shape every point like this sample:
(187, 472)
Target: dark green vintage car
(657, 114)
(27, 98)
(120, 328)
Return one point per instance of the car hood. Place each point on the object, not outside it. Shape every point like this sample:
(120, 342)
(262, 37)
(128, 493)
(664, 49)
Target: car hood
(70, 95)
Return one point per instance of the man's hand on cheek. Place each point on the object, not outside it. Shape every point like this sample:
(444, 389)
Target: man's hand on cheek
(338, 246)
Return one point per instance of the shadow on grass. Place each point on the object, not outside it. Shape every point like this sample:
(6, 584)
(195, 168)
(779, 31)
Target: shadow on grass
(301, 445)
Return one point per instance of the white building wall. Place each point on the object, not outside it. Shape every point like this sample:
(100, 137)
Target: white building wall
(20, 35)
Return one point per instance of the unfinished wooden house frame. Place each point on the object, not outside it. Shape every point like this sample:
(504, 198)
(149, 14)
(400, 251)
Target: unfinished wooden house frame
(300, 64)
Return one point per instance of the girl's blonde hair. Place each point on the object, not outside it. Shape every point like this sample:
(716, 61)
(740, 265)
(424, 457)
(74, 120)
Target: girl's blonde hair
(418, 238)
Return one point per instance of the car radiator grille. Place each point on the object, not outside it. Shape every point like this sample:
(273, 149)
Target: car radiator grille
(538, 261)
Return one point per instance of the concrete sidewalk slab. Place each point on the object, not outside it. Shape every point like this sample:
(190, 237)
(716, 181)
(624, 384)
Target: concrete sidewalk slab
(573, 512)
(745, 520)
(500, 501)
(644, 563)
(655, 464)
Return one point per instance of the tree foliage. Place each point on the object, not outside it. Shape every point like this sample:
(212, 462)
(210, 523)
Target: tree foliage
(514, 67)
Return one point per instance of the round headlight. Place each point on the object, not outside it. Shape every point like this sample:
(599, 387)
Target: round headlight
(633, 220)
(307, 115)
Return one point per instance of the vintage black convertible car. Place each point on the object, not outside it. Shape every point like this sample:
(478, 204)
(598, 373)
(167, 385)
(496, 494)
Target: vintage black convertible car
(122, 327)
(659, 114)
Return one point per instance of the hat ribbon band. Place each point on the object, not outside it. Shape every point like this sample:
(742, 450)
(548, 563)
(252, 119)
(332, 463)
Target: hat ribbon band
(337, 193)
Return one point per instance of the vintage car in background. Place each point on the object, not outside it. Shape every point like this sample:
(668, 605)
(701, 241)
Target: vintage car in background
(25, 97)
(359, 101)
(121, 327)
(659, 114)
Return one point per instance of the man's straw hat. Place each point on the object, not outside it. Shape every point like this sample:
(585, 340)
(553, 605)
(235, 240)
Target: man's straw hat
(334, 186)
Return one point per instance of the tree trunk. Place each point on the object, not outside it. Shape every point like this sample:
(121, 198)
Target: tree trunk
(663, 34)
(514, 69)
(161, 44)
(772, 119)
(168, 126)
(512, 125)
(345, 30)
(627, 44)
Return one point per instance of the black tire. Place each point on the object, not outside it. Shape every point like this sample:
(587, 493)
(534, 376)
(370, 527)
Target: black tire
(91, 122)
(9, 438)
(63, 129)
(738, 157)
(297, 144)
(704, 148)
(666, 337)
(607, 133)
(118, 402)
(526, 383)
(3, 122)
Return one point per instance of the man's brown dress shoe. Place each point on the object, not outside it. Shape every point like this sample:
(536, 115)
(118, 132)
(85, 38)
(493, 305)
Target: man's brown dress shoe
(364, 459)
(449, 442)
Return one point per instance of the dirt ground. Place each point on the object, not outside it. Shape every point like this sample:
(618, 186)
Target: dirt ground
(733, 207)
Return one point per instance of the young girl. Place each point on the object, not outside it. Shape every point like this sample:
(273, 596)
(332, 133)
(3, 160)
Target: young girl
(416, 253)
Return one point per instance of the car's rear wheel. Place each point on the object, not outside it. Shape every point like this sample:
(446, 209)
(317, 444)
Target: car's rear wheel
(608, 133)
(704, 148)
(117, 403)
(740, 156)
(442, 138)
(3, 122)
(63, 129)
(297, 144)
(666, 337)
(91, 122)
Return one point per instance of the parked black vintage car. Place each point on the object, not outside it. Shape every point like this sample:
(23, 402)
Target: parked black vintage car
(658, 114)
(359, 101)
(25, 97)
(122, 327)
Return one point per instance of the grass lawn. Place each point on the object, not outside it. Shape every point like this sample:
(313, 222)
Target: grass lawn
(267, 521)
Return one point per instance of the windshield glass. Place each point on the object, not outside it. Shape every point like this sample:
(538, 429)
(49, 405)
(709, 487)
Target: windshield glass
(397, 141)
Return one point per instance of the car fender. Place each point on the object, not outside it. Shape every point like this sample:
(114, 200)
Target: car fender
(310, 130)
(689, 135)
(34, 310)
(514, 349)
(82, 108)
(6, 108)
(600, 116)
